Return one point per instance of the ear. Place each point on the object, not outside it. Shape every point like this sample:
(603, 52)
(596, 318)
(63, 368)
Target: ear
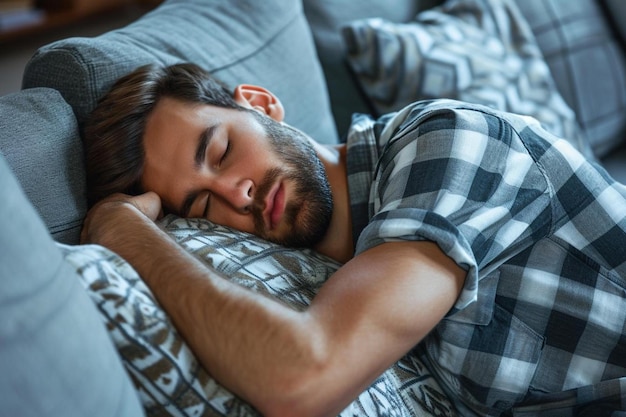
(260, 99)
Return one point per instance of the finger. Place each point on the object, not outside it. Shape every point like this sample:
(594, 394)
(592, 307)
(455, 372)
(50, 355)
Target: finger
(83, 235)
(149, 204)
(85, 231)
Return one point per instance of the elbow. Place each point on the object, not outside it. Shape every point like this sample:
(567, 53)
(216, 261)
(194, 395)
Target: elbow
(295, 403)
(305, 397)
(304, 389)
(279, 410)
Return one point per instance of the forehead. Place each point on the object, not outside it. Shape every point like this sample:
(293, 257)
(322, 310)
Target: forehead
(174, 124)
(170, 110)
(171, 114)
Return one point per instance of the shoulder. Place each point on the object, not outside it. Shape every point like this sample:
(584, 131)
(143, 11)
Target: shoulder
(447, 116)
(444, 131)
(439, 114)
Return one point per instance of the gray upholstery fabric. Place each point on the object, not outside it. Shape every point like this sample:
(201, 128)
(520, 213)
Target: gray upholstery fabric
(587, 63)
(259, 42)
(326, 18)
(39, 138)
(56, 358)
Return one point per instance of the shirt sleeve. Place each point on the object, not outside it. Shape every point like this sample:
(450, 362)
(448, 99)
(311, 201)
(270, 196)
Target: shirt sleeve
(460, 177)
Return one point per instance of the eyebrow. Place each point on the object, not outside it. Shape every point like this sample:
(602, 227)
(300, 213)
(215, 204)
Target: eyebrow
(200, 156)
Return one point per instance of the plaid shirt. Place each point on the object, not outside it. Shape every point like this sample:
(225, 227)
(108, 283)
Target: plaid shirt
(539, 328)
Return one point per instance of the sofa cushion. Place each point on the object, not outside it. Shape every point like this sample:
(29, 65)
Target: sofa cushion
(39, 139)
(478, 51)
(167, 374)
(259, 42)
(587, 62)
(55, 354)
(326, 17)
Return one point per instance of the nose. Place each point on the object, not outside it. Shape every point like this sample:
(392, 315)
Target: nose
(239, 193)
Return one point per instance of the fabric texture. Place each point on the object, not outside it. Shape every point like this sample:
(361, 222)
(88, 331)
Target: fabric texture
(266, 43)
(479, 51)
(587, 62)
(166, 373)
(39, 139)
(56, 358)
(539, 325)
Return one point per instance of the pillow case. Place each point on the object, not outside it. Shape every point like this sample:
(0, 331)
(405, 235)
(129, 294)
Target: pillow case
(168, 377)
(40, 141)
(258, 42)
(480, 51)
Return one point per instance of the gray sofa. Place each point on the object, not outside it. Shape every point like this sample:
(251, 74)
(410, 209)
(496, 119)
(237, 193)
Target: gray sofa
(64, 351)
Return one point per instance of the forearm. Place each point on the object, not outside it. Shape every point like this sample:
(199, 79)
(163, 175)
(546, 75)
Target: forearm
(253, 345)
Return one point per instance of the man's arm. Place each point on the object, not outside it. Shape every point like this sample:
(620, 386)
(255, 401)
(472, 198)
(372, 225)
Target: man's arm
(284, 362)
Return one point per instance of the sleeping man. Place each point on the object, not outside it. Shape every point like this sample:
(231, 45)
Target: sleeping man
(473, 237)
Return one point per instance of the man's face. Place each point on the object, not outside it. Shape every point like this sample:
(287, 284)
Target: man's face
(238, 169)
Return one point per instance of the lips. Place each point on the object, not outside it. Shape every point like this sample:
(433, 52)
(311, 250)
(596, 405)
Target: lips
(274, 206)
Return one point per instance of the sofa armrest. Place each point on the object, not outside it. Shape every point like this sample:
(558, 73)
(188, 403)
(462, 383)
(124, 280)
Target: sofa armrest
(55, 355)
(40, 141)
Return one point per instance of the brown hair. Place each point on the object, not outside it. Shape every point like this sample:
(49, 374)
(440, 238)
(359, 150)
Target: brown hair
(114, 130)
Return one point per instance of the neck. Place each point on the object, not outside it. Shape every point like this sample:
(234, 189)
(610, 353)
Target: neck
(337, 243)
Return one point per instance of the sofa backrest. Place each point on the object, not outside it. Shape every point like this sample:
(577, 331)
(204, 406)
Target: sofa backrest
(258, 42)
(588, 62)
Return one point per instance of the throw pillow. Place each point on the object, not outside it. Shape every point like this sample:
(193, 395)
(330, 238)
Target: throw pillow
(167, 375)
(479, 51)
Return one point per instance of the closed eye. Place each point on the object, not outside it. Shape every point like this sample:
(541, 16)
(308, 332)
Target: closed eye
(206, 207)
(226, 152)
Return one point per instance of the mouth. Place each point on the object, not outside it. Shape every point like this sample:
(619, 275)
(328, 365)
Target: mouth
(274, 206)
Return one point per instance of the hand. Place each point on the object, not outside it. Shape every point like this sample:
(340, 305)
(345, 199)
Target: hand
(109, 216)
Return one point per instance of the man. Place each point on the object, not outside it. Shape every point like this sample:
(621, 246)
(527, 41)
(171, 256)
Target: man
(495, 245)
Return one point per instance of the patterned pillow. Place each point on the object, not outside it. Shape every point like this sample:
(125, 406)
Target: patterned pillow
(168, 377)
(480, 51)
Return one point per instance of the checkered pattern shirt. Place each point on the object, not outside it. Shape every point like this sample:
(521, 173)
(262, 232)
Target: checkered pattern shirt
(539, 328)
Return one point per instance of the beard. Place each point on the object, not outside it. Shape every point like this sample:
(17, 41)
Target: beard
(309, 211)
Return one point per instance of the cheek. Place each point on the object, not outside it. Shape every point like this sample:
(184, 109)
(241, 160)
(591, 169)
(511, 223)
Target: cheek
(225, 215)
(258, 155)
